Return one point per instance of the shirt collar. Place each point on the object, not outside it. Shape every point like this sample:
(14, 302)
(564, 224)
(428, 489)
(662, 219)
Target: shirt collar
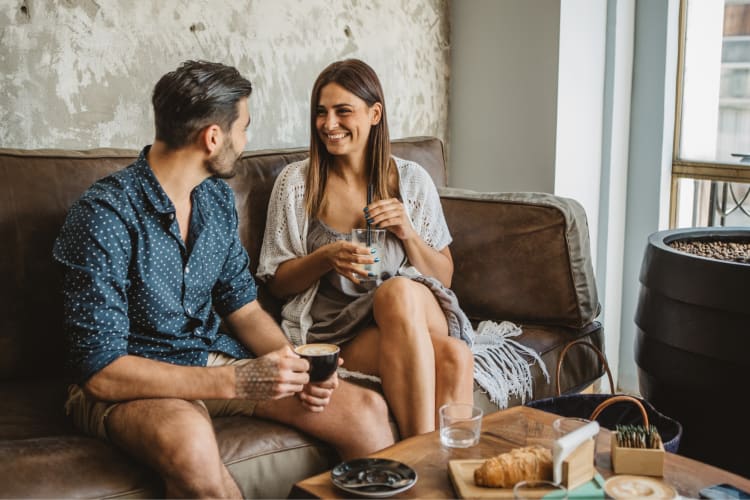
(155, 194)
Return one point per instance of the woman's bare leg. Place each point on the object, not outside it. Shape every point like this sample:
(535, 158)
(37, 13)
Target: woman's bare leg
(400, 351)
(454, 374)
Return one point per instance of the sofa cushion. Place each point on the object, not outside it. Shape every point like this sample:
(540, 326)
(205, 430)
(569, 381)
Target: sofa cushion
(547, 234)
(43, 456)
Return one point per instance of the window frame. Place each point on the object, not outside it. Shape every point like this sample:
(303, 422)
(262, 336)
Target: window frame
(698, 170)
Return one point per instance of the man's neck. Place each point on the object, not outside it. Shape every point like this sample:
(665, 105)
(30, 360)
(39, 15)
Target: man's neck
(178, 171)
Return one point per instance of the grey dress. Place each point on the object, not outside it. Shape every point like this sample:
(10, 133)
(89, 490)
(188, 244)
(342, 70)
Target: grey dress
(341, 308)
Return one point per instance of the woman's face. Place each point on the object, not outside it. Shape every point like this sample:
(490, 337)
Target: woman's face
(343, 121)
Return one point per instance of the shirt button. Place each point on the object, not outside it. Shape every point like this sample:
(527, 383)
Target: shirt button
(171, 216)
(187, 269)
(188, 311)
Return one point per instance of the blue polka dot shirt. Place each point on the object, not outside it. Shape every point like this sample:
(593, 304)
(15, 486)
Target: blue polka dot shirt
(132, 286)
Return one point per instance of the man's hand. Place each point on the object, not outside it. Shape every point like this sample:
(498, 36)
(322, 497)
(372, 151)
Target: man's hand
(278, 374)
(316, 396)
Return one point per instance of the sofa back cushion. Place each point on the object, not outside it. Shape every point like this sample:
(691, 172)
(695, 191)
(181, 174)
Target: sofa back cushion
(36, 190)
(539, 270)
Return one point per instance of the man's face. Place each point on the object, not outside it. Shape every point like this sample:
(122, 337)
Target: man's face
(222, 163)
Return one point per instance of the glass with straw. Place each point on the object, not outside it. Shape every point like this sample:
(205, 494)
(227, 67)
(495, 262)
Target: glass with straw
(374, 239)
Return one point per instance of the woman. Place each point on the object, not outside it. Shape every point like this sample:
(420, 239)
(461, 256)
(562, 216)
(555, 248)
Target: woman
(397, 331)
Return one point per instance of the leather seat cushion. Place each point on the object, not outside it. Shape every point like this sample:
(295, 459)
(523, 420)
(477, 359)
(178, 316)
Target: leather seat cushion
(43, 456)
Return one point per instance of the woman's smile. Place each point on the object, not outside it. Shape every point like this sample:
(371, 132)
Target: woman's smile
(335, 136)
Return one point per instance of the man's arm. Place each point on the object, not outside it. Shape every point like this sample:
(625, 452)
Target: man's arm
(258, 331)
(276, 375)
(134, 377)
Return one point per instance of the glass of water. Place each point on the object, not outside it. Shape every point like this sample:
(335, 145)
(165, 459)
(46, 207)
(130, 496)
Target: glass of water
(376, 243)
(460, 425)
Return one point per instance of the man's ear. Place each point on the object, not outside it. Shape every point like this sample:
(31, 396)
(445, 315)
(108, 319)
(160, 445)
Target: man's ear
(211, 138)
(376, 112)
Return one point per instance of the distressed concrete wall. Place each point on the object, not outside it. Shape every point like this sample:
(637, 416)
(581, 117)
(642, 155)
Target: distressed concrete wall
(79, 73)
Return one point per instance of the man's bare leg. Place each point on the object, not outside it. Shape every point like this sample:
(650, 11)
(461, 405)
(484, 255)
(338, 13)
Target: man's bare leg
(355, 422)
(176, 438)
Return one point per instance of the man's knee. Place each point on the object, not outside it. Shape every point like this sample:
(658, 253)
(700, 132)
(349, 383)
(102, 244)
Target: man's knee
(175, 437)
(374, 402)
(190, 464)
(185, 453)
(369, 415)
(368, 406)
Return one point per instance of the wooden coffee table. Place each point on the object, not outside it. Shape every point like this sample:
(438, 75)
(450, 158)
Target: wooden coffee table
(501, 432)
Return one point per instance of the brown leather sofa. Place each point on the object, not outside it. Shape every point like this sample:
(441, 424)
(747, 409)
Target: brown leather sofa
(520, 257)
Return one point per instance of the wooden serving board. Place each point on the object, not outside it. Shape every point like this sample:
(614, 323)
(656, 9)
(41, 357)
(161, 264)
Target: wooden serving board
(461, 473)
(462, 476)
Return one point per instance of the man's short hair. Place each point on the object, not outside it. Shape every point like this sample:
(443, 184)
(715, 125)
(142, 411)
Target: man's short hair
(192, 97)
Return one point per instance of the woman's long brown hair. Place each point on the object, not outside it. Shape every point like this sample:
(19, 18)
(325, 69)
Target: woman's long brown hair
(360, 79)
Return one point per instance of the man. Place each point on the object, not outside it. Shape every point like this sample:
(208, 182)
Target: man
(153, 262)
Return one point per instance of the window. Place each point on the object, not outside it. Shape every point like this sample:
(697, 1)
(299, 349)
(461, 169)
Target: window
(711, 162)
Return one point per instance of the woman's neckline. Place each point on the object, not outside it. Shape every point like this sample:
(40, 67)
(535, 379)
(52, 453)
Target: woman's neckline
(332, 230)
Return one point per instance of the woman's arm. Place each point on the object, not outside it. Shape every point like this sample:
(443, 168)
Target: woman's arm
(429, 261)
(391, 214)
(297, 275)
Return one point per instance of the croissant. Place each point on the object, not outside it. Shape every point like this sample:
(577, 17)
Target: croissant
(520, 464)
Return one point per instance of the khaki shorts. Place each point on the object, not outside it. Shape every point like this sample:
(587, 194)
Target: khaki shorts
(89, 415)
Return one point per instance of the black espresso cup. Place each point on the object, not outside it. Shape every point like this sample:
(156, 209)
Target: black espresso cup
(323, 359)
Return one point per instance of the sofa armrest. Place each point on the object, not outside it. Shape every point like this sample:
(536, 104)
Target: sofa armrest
(522, 257)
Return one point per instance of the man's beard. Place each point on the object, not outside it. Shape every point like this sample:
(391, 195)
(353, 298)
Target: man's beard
(224, 164)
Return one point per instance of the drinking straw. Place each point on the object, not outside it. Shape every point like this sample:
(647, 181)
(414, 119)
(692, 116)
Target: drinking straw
(369, 226)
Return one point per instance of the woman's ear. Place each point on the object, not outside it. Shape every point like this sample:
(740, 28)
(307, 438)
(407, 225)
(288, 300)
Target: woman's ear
(376, 112)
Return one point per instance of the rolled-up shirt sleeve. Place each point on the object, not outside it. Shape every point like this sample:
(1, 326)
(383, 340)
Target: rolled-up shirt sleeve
(235, 286)
(94, 251)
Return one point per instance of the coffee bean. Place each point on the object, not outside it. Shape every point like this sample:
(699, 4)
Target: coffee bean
(734, 251)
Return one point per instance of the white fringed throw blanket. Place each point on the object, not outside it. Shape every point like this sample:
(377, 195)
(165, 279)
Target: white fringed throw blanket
(499, 365)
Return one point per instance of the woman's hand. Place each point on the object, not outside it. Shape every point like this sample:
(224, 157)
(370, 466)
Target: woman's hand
(390, 214)
(347, 259)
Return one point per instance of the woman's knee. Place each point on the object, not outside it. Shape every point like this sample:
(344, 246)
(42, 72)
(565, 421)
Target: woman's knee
(399, 301)
(394, 292)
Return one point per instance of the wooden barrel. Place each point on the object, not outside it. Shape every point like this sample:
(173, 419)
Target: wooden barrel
(693, 343)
